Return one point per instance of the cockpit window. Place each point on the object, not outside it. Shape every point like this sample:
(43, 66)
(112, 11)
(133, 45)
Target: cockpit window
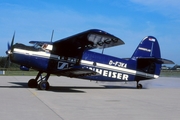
(37, 46)
(43, 47)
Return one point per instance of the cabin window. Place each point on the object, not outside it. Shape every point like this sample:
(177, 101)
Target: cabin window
(44, 47)
(68, 59)
(47, 47)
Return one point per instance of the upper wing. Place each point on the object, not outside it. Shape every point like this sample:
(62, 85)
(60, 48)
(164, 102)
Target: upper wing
(40, 42)
(87, 40)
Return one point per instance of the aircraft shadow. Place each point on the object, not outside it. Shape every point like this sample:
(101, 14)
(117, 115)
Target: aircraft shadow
(74, 88)
(70, 89)
(21, 85)
(66, 89)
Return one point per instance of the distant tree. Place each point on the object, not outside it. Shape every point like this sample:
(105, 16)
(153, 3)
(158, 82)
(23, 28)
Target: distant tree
(4, 63)
(163, 65)
(175, 67)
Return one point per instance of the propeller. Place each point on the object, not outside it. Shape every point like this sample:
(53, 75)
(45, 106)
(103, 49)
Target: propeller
(12, 42)
(9, 51)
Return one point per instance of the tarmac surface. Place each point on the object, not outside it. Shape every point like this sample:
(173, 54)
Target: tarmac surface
(75, 99)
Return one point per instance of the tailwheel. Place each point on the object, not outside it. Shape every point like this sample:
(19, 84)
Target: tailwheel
(43, 85)
(32, 83)
(139, 86)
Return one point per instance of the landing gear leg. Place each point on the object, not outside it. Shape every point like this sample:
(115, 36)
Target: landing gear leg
(43, 82)
(139, 86)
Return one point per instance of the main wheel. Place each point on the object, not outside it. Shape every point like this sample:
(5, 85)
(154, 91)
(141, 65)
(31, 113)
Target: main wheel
(32, 83)
(43, 85)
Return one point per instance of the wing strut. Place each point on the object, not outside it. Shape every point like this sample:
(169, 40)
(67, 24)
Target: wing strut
(103, 49)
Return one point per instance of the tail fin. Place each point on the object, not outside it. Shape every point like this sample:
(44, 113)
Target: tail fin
(148, 47)
(148, 57)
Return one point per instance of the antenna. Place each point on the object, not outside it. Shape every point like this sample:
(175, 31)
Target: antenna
(52, 35)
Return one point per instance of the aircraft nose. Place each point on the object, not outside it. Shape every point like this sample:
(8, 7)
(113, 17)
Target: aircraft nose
(8, 52)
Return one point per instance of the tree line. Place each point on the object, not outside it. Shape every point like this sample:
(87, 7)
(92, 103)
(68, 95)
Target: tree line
(5, 63)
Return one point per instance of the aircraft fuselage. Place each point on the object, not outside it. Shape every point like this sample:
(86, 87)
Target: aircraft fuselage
(108, 68)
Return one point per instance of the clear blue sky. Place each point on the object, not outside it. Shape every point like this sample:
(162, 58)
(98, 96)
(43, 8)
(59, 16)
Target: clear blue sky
(130, 20)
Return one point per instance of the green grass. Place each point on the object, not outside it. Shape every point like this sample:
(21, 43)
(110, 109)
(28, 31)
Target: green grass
(170, 73)
(20, 73)
(164, 73)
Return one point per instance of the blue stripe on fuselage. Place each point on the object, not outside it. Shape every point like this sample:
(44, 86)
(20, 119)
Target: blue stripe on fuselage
(35, 62)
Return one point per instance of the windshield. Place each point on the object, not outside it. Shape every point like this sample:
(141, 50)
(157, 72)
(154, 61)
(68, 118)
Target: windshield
(37, 46)
(45, 47)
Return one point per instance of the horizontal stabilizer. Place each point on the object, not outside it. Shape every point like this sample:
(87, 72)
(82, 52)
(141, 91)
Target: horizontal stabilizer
(158, 60)
(165, 61)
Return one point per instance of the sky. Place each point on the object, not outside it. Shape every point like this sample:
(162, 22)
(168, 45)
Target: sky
(130, 20)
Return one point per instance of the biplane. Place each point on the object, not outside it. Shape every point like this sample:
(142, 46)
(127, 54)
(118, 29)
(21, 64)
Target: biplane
(73, 57)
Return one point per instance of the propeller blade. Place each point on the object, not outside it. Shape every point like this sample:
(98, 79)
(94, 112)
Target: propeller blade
(8, 45)
(12, 42)
(8, 52)
(7, 62)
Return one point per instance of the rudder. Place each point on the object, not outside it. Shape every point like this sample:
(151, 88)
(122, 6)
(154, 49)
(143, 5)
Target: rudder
(148, 47)
(147, 55)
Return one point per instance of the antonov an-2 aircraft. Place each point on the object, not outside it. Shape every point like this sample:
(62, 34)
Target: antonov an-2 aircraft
(72, 57)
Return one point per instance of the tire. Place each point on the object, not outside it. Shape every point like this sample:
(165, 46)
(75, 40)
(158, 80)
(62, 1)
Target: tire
(32, 83)
(139, 86)
(43, 85)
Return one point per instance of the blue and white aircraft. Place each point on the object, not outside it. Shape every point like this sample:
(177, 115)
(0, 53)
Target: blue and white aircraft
(72, 57)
